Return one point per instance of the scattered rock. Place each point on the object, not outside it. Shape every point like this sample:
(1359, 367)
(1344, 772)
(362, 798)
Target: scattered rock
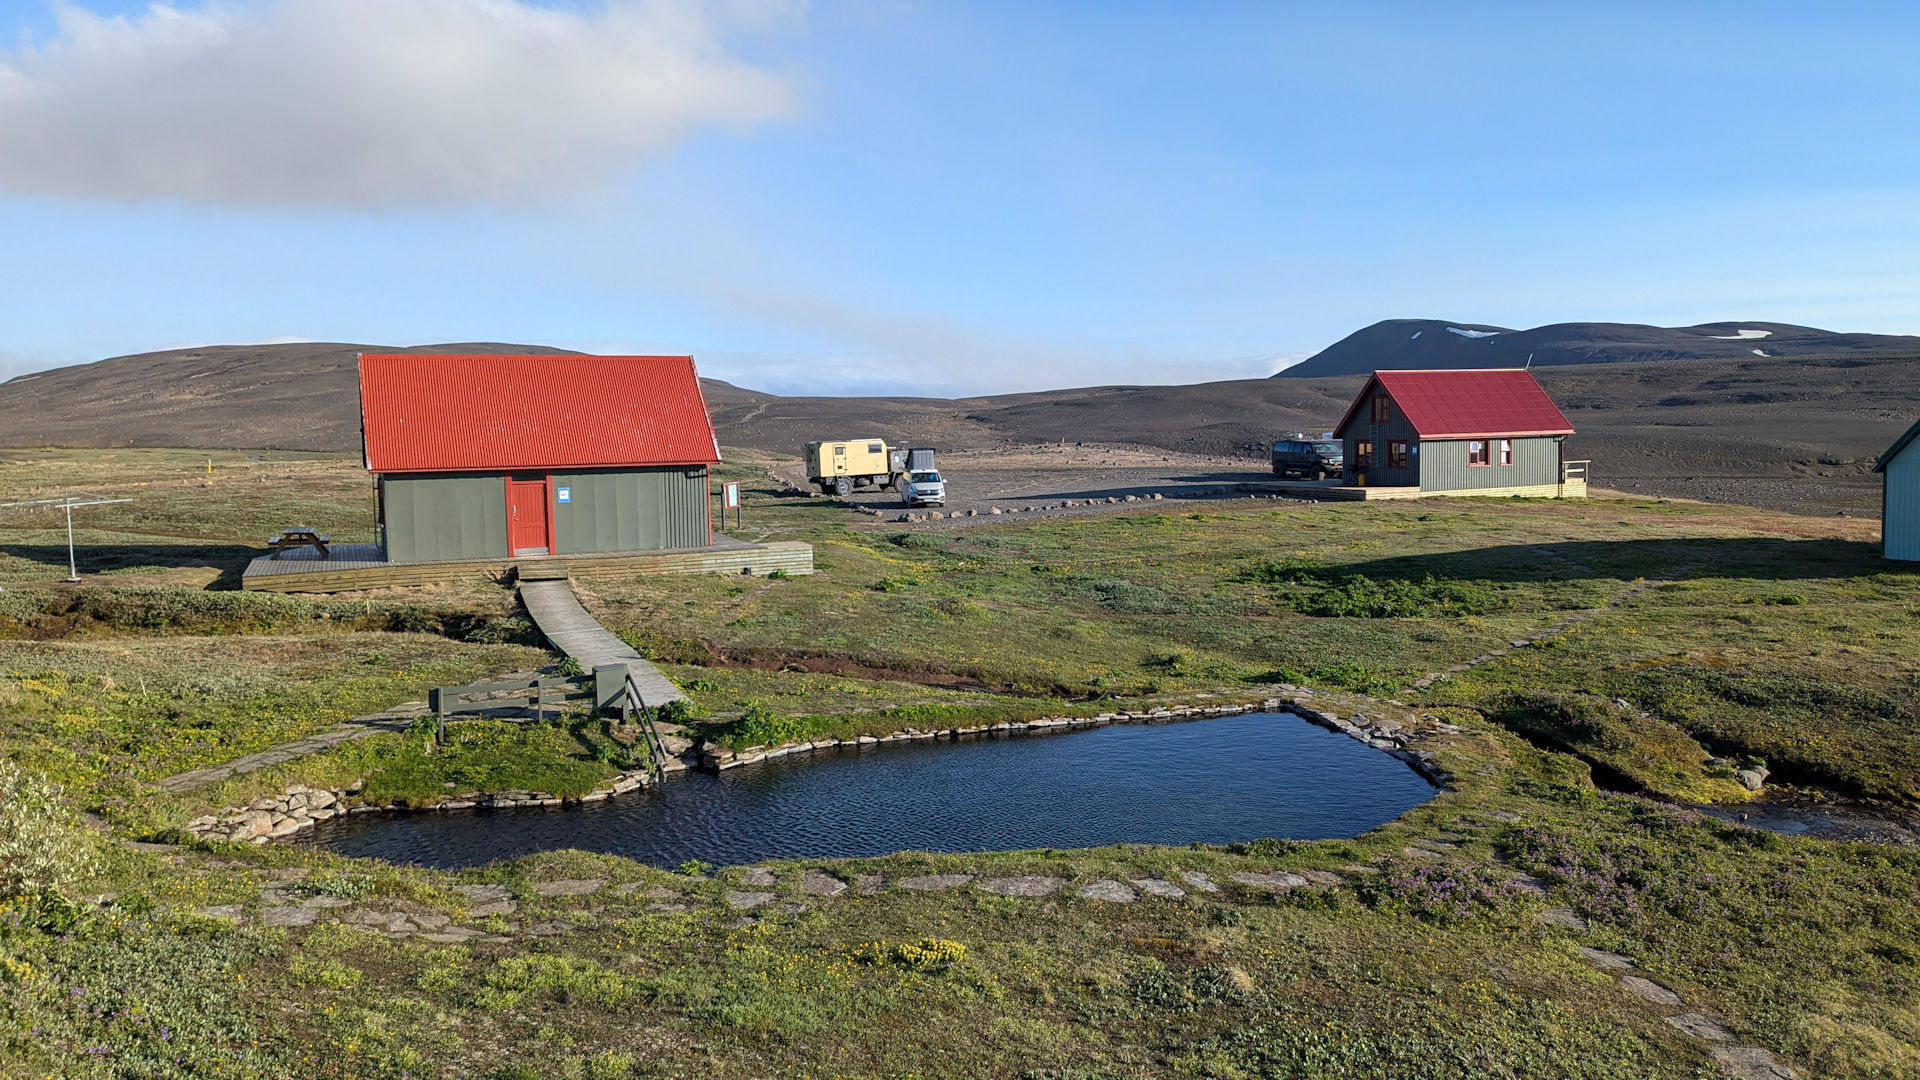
(1563, 917)
(1527, 883)
(1108, 890)
(932, 882)
(758, 877)
(821, 883)
(1278, 880)
(230, 912)
(792, 908)
(1602, 959)
(1166, 890)
(666, 907)
(1198, 880)
(1324, 879)
(746, 901)
(1412, 852)
(288, 916)
(1027, 885)
(1648, 990)
(1751, 779)
(868, 884)
(495, 907)
(570, 886)
(484, 892)
(1750, 1063)
(1701, 1026)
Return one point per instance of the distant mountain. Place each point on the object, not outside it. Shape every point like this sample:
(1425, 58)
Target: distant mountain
(1430, 343)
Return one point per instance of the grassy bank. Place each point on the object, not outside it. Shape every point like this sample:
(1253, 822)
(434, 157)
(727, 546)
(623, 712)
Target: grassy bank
(1697, 639)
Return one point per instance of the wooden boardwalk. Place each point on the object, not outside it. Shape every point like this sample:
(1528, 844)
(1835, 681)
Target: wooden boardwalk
(557, 611)
(363, 566)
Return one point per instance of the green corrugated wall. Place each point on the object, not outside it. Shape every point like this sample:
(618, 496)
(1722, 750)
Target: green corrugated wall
(1443, 465)
(1900, 510)
(444, 517)
(630, 510)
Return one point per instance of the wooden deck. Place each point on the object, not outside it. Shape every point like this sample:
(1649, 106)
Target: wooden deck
(558, 614)
(362, 566)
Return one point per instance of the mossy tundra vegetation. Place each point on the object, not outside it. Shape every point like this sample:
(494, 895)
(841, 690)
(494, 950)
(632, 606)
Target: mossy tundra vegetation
(1695, 638)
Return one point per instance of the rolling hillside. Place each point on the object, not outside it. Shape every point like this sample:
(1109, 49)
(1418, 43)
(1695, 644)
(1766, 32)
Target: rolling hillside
(1792, 433)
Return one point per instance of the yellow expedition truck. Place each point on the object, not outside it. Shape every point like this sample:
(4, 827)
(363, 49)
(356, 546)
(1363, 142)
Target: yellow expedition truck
(837, 467)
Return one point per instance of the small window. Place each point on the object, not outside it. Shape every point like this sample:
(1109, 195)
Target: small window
(1477, 452)
(839, 451)
(876, 448)
(1397, 454)
(1382, 408)
(1363, 453)
(1506, 451)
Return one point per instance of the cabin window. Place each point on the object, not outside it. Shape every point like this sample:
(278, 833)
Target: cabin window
(1477, 452)
(839, 451)
(1363, 453)
(1397, 454)
(1506, 451)
(876, 448)
(1382, 408)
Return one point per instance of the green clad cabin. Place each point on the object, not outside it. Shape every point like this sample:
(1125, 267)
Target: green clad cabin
(477, 457)
(1899, 470)
(1487, 431)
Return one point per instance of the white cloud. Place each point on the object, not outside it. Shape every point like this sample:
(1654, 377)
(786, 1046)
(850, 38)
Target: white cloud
(364, 104)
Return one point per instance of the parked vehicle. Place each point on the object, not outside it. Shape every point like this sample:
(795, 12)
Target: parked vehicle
(926, 488)
(840, 466)
(1311, 458)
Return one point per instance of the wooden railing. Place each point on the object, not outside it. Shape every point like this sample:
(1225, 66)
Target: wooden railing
(1574, 471)
(610, 687)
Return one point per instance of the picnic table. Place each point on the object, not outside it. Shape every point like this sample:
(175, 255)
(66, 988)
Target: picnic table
(298, 536)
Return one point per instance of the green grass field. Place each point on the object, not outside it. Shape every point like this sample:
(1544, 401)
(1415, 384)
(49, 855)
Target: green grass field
(1729, 635)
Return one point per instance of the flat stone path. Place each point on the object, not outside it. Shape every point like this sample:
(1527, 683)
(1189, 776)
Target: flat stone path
(1571, 620)
(558, 614)
(394, 719)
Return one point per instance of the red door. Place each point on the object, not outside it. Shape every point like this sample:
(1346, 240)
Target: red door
(527, 517)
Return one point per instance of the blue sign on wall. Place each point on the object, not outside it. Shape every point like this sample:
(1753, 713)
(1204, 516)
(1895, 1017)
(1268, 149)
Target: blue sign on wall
(564, 495)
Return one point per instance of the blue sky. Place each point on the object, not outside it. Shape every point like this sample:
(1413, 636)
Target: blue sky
(944, 198)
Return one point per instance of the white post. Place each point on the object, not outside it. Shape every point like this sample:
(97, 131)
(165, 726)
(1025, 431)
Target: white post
(73, 567)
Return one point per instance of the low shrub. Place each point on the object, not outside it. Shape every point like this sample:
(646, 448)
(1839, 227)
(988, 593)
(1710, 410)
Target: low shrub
(41, 848)
(926, 955)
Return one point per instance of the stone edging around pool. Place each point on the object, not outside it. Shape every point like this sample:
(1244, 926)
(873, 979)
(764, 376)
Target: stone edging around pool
(301, 807)
(279, 817)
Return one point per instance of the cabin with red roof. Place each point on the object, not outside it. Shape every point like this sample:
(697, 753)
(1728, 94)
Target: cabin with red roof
(479, 457)
(1487, 431)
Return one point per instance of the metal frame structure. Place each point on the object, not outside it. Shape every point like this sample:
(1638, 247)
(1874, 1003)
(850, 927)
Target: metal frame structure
(68, 502)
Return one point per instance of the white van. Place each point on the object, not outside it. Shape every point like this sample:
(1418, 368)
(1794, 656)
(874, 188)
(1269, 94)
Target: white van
(925, 488)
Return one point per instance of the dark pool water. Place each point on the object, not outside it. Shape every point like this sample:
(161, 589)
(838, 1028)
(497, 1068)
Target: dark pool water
(1215, 781)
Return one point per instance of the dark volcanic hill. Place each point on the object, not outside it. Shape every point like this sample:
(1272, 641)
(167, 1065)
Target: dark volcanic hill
(304, 396)
(1428, 343)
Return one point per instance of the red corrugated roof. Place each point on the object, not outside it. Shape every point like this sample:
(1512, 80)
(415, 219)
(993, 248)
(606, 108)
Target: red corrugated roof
(1462, 404)
(428, 412)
